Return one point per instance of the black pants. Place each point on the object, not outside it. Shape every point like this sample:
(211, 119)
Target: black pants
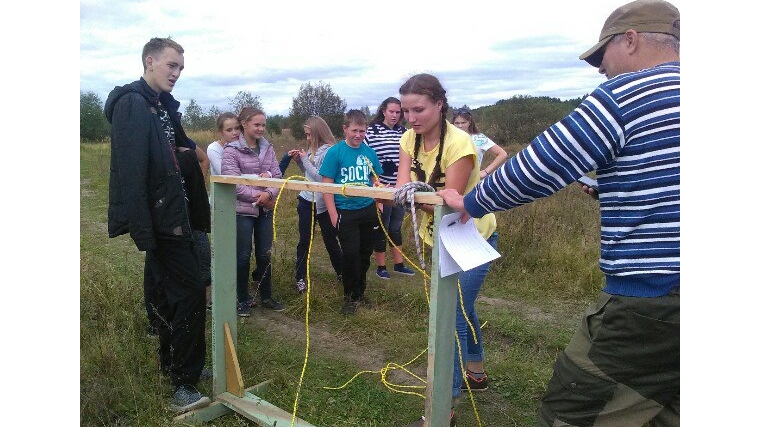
(355, 232)
(180, 308)
(306, 215)
(203, 248)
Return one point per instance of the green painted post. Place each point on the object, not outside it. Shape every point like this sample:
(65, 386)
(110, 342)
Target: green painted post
(223, 277)
(441, 327)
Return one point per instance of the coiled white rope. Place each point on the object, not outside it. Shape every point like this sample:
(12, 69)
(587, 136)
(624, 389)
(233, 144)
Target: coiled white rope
(404, 196)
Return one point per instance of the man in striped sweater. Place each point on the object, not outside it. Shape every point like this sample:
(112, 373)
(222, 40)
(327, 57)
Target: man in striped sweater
(622, 366)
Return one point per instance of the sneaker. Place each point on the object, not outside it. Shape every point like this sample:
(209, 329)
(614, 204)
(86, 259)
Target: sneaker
(301, 286)
(187, 397)
(383, 274)
(350, 306)
(272, 305)
(402, 269)
(244, 308)
(476, 384)
(421, 421)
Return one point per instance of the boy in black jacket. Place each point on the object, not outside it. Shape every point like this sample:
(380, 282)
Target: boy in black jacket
(150, 200)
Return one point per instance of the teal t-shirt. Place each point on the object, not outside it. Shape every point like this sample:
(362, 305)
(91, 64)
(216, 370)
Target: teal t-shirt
(348, 165)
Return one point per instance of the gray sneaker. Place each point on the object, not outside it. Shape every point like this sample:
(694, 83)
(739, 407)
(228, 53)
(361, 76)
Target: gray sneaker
(187, 398)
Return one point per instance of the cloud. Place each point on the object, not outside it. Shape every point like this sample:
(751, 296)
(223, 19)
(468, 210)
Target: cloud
(363, 51)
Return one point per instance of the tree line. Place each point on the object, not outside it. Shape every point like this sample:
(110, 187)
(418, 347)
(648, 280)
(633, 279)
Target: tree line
(516, 120)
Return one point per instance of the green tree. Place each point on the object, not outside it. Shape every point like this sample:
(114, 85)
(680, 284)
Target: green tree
(275, 124)
(93, 125)
(209, 120)
(192, 118)
(521, 118)
(316, 100)
(242, 99)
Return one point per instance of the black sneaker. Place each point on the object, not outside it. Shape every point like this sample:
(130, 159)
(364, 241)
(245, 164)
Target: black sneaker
(350, 306)
(244, 308)
(272, 305)
(476, 384)
(187, 397)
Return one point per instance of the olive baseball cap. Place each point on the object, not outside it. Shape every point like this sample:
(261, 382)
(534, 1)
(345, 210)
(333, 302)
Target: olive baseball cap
(644, 16)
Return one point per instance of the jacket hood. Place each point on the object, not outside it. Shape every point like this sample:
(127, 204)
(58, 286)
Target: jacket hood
(138, 86)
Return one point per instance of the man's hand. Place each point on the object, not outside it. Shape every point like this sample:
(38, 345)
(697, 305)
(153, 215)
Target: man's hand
(455, 201)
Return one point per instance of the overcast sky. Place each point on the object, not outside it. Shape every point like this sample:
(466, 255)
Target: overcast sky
(363, 49)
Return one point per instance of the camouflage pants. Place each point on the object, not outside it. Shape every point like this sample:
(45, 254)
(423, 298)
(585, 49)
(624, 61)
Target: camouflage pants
(621, 368)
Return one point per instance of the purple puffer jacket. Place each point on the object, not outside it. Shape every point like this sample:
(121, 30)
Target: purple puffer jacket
(239, 159)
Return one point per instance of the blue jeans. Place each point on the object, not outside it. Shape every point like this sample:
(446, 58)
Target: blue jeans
(393, 218)
(306, 211)
(259, 233)
(471, 281)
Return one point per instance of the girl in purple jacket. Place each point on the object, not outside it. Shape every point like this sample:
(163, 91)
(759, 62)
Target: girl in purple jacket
(251, 154)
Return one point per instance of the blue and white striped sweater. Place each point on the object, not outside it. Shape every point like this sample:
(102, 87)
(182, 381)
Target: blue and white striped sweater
(628, 130)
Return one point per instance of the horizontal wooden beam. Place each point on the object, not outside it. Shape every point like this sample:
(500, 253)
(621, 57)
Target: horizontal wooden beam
(321, 187)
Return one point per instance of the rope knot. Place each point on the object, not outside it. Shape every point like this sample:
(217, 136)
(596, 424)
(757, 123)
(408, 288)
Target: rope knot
(404, 197)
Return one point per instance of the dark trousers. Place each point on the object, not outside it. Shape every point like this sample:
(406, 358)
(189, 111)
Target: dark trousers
(306, 217)
(203, 249)
(180, 308)
(621, 368)
(254, 234)
(355, 232)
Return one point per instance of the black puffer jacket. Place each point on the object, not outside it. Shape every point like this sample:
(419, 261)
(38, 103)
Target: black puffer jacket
(146, 198)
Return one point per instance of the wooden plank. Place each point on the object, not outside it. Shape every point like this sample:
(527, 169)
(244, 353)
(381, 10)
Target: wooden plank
(441, 327)
(223, 279)
(234, 377)
(216, 409)
(348, 190)
(260, 411)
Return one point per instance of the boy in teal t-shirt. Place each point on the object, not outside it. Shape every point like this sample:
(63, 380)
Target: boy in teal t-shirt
(351, 162)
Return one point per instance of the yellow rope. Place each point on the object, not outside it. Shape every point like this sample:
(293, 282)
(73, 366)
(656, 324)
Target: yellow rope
(383, 375)
(308, 289)
(397, 388)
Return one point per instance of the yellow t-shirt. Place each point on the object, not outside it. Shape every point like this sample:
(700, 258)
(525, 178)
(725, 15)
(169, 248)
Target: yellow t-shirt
(456, 144)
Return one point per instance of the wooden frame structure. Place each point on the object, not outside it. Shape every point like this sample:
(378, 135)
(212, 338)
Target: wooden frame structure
(229, 393)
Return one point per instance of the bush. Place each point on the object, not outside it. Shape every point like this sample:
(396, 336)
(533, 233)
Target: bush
(93, 125)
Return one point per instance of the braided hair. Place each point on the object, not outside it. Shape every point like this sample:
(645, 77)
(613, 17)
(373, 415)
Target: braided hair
(428, 84)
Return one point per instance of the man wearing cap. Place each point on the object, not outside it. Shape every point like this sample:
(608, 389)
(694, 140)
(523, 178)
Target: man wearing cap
(621, 368)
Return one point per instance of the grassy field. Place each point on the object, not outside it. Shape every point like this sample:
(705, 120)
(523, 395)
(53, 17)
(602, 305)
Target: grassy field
(531, 302)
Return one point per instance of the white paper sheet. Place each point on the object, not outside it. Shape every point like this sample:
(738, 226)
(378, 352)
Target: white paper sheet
(461, 247)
